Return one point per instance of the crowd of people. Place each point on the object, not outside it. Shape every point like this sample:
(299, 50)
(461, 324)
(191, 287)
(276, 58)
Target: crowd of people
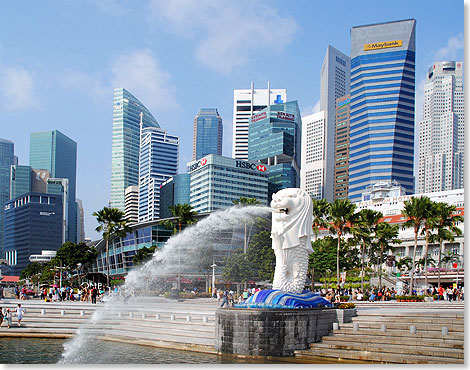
(84, 294)
(7, 315)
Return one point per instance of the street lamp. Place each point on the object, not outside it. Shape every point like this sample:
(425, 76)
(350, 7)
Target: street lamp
(213, 277)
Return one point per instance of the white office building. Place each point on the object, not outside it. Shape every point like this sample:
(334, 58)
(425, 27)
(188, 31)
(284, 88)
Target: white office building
(245, 104)
(131, 201)
(441, 132)
(313, 157)
(334, 83)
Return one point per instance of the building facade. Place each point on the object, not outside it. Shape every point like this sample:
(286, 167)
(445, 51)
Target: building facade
(275, 140)
(341, 173)
(126, 143)
(216, 181)
(246, 103)
(132, 204)
(313, 164)
(157, 163)
(33, 222)
(81, 221)
(382, 107)
(174, 191)
(334, 83)
(441, 132)
(207, 133)
(7, 159)
(57, 153)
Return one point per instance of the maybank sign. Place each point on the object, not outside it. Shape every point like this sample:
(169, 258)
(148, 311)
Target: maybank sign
(383, 45)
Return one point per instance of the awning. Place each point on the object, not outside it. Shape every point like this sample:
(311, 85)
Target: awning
(9, 279)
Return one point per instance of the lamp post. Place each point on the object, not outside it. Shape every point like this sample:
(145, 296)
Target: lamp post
(213, 277)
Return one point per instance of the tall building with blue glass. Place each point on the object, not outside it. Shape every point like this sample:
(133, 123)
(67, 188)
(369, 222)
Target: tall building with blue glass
(174, 191)
(55, 152)
(274, 139)
(158, 162)
(207, 133)
(7, 159)
(126, 143)
(382, 107)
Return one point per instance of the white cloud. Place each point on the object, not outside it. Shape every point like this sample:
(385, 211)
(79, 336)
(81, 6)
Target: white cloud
(227, 34)
(140, 72)
(311, 110)
(17, 88)
(450, 52)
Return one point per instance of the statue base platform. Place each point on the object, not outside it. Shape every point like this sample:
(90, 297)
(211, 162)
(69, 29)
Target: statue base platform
(273, 298)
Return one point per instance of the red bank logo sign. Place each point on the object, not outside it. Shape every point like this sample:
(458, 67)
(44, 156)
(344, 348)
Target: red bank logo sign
(257, 117)
(251, 166)
(198, 164)
(286, 116)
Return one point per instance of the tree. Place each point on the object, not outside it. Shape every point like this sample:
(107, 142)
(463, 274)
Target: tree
(403, 263)
(450, 257)
(245, 202)
(261, 256)
(184, 215)
(143, 255)
(341, 216)
(236, 267)
(202, 257)
(417, 210)
(32, 269)
(385, 234)
(364, 230)
(321, 209)
(444, 224)
(112, 223)
(428, 223)
(69, 255)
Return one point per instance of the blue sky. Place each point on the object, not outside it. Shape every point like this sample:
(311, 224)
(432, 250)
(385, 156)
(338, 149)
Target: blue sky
(61, 59)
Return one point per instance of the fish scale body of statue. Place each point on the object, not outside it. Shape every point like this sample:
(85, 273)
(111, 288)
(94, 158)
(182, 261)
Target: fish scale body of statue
(291, 238)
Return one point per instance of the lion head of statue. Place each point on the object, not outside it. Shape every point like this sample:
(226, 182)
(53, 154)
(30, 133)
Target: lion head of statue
(292, 212)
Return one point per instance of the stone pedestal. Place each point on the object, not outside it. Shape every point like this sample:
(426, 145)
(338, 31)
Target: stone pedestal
(270, 332)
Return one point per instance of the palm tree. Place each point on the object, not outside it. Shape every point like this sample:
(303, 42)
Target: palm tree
(429, 221)
(113, 223)
(417, 210)
(444, 224)
(385, 234)
(341, 217)
(184, 215)
(321, 209)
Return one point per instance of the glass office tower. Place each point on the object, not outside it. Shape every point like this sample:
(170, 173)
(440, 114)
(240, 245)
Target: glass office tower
(207, 134)
(7, 159)
(57, 153)
(274, 139)
(382, 107)
(126, 143)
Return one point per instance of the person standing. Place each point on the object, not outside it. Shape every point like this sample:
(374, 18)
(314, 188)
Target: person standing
(19, 313)
(93, 293)
(8, 318)
(225, 299)
(1, 291)
(1, 317)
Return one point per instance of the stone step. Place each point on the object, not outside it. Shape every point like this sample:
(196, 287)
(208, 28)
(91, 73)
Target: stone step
(406, 327)
(403, 348)
(321, 352)
(412, 315)
(419, 320)
(387, 339)
(405, 334)
(156, 324)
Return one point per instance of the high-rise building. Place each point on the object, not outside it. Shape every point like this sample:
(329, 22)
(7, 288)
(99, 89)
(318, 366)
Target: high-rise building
(275, 140)
(81, 222)
(313, 163)
(55, 152)
(246, 103)
(341, 173)
(158, 162)
(216, 181)
(7, 159)
(207, 133)
(334, 83)
(441, 132)
(33, 222)
(174, 191)
(132, 204)
(126, 143)
(382, 108)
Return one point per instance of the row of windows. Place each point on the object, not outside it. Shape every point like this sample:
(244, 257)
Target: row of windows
(375, 114)
(373, 107)
(387, 86)
(379, 93)
(377, 156)
(377, 170)
(404, 181)
(383, 66)
(382, 149)
(382, 134)
(373, 80)
(379, 142)
(382, 100)
(382, 57)
(382, 73)
(386, 120)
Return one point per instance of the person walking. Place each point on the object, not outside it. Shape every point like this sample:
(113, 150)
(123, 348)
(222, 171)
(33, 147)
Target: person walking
(8, 318)
(225, 299)
(1, 317)
(93, 294)
(19, 313)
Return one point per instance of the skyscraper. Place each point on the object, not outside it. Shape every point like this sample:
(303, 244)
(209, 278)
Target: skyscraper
(441, 132)
(207, 134)
(7, 159)
(382, 105)
(132, 204)
(158, 162)
(341, 174)
(126, 143)
(313, 164)
(275, 140)
(334, 83)
(57, 153)
(246, 103)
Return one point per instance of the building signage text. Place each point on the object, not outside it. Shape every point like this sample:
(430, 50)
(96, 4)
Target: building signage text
(390, 200)
(250, 166)
(286, 116)
(257, 117)
(198, 164)
(341, 103)
(383, 45)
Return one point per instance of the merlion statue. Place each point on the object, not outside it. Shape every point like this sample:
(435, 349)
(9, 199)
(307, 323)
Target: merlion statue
(291, 238)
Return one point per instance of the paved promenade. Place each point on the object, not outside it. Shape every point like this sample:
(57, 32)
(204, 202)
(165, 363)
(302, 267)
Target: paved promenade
(189, 324)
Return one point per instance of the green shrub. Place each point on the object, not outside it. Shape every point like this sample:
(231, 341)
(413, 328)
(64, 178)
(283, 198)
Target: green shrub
(344, 306)
(344, 298)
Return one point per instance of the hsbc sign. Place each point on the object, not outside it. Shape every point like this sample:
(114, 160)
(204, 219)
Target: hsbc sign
(251, 166)
(198, 164)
